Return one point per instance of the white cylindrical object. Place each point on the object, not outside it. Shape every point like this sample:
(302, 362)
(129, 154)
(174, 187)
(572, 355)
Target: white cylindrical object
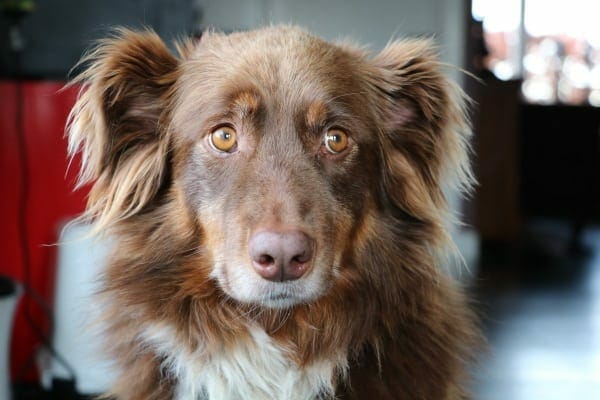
(9, 295)
(81, 259)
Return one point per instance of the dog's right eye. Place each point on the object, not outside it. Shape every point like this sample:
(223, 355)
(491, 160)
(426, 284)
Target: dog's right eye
(223, 139)
(336, 141)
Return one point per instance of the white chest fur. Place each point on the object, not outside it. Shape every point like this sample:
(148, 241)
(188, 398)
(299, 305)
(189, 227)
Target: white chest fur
(256, 369)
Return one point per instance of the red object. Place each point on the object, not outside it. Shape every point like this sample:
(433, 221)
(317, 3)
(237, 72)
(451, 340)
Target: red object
(51, 199)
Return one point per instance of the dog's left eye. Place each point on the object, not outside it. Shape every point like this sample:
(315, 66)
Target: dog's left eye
(336, 141)
(223, 139)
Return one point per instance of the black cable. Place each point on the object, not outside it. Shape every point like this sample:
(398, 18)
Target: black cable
(23, 227)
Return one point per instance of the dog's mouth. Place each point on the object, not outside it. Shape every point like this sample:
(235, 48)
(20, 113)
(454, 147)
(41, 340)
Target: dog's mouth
(284, 295)
(280, 300)
(246, 286)
(279, 297)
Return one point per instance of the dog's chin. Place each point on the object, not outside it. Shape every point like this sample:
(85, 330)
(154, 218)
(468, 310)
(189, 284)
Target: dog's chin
(281, 301)
(274, 295)
(255, 291)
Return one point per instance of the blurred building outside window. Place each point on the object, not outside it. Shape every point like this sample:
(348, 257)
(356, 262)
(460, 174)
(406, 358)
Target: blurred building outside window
(552, 45)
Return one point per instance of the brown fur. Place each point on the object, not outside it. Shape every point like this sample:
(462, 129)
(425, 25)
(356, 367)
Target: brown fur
(379, 211)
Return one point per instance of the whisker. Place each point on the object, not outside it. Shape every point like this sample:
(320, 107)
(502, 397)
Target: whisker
(346, 95)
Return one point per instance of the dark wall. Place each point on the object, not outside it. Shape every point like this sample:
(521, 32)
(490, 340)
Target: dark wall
(58, 31)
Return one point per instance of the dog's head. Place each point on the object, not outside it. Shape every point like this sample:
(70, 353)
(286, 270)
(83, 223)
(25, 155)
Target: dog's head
(282, 150)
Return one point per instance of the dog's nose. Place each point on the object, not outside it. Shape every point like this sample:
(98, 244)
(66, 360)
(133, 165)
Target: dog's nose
(281, 256)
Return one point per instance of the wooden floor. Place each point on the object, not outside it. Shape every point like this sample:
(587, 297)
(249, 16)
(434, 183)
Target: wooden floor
(543, 323)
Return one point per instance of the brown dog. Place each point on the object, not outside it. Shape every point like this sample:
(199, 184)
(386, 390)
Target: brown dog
(280, 216)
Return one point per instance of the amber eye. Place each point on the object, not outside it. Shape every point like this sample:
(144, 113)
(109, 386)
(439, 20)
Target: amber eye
(223, 139)
(336, 141)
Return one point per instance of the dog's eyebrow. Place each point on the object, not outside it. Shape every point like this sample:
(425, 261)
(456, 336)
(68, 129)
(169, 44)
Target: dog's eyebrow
(317, 113)
(246, 103)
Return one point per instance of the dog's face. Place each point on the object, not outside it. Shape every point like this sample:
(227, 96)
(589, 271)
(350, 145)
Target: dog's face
(280, 147)
(281, 159)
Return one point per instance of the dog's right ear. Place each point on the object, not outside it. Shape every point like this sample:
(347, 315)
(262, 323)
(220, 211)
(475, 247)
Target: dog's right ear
(118, 123)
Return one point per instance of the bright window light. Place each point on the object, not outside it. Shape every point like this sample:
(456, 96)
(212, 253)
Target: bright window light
(498, 16)
(554, 47)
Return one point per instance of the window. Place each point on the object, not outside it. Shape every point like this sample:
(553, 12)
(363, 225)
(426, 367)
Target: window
(552, 45)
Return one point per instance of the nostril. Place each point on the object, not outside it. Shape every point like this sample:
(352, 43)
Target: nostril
(301, 258)
(265, 260)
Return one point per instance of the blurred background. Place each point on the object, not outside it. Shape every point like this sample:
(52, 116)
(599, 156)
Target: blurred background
(531, 239)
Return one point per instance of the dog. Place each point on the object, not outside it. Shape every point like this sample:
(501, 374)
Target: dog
(278, 203)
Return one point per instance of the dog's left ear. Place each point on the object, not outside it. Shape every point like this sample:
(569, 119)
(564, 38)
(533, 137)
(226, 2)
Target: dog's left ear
(118, 123)
(424, 128)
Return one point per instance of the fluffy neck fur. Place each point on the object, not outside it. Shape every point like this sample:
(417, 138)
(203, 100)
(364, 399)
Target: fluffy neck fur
(255, 366)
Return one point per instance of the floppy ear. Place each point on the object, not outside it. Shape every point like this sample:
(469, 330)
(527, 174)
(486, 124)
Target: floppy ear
(117, 123)
(425, 129)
